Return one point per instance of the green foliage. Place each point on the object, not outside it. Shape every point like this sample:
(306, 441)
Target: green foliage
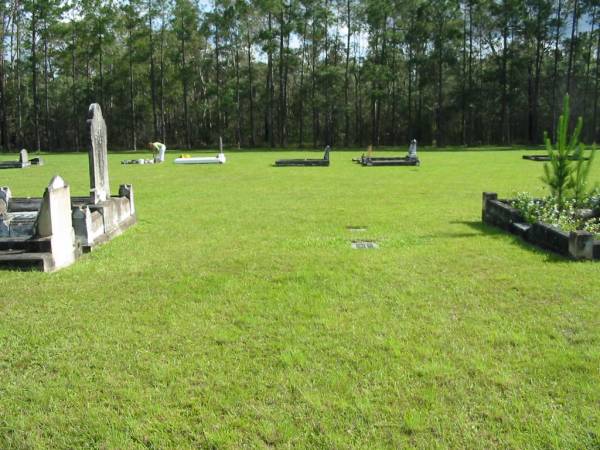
(566, 216)
(567, 172)
(580, 175)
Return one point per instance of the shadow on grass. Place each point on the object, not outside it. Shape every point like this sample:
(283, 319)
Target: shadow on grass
(489, 230)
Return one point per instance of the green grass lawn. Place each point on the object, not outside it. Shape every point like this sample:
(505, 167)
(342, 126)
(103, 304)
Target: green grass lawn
(235, 314)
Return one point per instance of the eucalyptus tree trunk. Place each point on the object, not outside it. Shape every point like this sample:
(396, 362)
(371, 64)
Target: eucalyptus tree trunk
(469, 137)
(251, 91)
(3, 112)
(184, 83)
(313, 76)
(133, 133)
(47, 132)
(218, 81)
(536, 75)
(409, 94)
(281, 108)
(301, 90)
(346, 77)
(555, 70)
(101, 68)
(285, 90)
(269, 135)
(19, 79)
(163, 130)
(238, 128)
(34, 76)
(504, 122)
(439, 118)
(572, 45)
(589, 130)
(358, 109)
(463, 82)
(152, 70)
(74, 118)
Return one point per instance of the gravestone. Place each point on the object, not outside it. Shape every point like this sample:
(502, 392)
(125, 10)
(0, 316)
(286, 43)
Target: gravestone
(98, 155)
(23, 156)
(4, 198)
(412, 149)
(54, 222)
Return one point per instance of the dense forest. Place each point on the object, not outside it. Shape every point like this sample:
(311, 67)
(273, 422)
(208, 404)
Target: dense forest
(296, 72)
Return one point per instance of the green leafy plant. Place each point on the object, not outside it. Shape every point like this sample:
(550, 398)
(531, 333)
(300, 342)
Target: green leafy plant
(567, 217)
(568, 171)
(580, 175)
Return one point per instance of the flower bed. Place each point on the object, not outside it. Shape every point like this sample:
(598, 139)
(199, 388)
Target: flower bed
(526, 217)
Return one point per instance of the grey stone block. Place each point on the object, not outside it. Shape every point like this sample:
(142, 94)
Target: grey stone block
(581, 245)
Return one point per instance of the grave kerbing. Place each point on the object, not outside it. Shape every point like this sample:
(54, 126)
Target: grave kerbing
(51, 232)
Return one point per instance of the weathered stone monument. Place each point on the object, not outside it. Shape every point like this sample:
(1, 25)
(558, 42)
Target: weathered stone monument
(51, 232)
(98, 154)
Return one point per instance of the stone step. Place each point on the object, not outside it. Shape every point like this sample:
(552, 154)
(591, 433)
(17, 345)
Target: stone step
(23, 244)
(520, 228)
(15, 259)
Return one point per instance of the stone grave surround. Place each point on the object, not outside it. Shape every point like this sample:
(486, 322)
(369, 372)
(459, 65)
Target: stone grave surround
(49, 233)
(23, 161)
(324, 162)
(574, 244)
(411, 159)
(159, 158)
(20, 164)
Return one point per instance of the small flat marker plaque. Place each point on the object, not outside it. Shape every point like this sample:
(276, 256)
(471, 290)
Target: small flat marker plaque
(364, 244)
(356, 228)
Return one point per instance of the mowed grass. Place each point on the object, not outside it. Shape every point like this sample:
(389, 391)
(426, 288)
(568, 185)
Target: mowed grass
(236, 315)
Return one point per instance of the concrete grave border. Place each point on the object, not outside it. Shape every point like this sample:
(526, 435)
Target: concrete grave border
(575, 244)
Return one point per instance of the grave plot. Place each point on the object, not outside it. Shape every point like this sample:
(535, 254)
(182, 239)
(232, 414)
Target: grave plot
(157, 159)
(218, 159)
(50, 232)
(305, 162)
(23, 162)
(409, 160)
(575, 244)
(546, 158)
(356, 228)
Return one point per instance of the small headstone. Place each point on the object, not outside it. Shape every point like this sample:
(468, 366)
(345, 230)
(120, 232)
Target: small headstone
(356, 228)
(364, 245)
(98, 152)
(23, 156)
(412, 149)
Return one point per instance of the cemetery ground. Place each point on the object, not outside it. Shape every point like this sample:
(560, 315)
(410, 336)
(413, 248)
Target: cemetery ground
(236, 314)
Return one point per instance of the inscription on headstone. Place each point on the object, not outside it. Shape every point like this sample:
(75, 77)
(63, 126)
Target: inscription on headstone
(98, 155)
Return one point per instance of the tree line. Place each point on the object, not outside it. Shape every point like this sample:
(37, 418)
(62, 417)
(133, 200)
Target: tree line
(296, 72)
